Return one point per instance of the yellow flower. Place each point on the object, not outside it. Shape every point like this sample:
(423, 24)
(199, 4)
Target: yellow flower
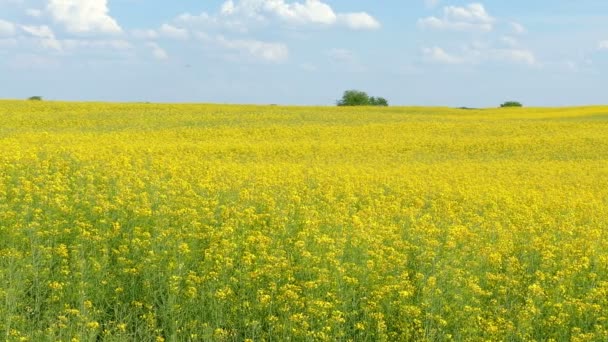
(93, 325)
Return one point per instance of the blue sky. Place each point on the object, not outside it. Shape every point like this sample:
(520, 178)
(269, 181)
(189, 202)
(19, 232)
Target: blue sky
(413, 52)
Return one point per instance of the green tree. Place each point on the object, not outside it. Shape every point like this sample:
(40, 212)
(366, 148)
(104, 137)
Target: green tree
(354, 98)
(511, 104)
(35, 98)
(378, 101)
(360, 98)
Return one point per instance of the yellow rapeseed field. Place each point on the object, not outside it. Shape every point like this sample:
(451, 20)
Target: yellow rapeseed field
(148, 222)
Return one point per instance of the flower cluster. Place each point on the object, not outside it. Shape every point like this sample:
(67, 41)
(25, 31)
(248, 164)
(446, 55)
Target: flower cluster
(241, 223)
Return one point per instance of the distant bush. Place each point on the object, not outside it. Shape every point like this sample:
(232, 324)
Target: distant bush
(378, 101)
(360, 98)
(35, 98)
(511, 104)
(354, 98)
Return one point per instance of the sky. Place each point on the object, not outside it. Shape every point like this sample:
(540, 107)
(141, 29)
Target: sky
(306, 52)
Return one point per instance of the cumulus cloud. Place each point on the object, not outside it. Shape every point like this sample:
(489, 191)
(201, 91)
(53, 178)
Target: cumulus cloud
(227, 8)
(431, 3)
(517, 56)
(509, 41)
(158, 52)
(359, 21)
(44, 34)
(477, 54)
(173, 32)
(164, 31)
(106, 44)
(6, 28)
(603, 45)
(267, 51)
(437, 54)
(518, 28)
(500, 43)
(33, 12)
(144, 34)
(39, 31)
(472, 17)
(224, 21)
(83, 16)
(309, 12)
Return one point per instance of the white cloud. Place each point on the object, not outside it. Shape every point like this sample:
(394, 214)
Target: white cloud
(224, 21)
(472, 17)
(603, 45)
(201, 18)
(227, 8)
(270, 52)
(438, 55)
(474, 13)
(493, 48)
(144, 34)
(311, 11)
(478, 53)
(517, 56)
(431, 3)
(105, 44)
(173, 32)
(6, 28)
(166, 31)
(566, 65)
(33, 12)
(237, 15)
(39, 31)
(83, 16)
(509, 41)
(44, 34)
(359, 21)
(518, 28)
(92, 49)
(158, 52)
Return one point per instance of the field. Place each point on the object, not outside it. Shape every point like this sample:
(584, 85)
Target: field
(149, 222)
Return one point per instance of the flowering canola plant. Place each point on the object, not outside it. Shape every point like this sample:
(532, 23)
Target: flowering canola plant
(151, 222)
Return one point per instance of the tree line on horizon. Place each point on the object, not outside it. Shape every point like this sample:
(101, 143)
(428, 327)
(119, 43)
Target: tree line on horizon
(360, 98)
